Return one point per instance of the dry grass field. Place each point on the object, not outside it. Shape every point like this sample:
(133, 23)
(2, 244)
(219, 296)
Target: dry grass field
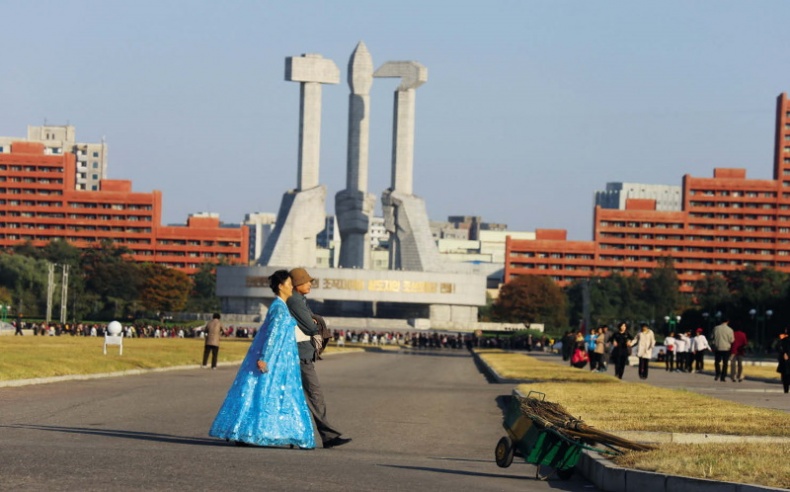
(38, 357)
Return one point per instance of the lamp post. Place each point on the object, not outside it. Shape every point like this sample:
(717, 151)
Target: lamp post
(672, 322)
(4, 312)
(760, 320)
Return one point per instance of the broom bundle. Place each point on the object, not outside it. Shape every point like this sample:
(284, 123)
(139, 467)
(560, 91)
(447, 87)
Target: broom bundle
(553, 416)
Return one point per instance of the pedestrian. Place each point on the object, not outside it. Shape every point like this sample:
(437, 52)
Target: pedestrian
(309, 342)
(784, 359)
(579, 358)
(567, 345)
(683, 350)
(621, 349)
(722, 341)
(737, 351)
(607, 347)
(669, 357)
(599, 352)
(645, 340)
(699, 345)
(266, 404)
(211, 345)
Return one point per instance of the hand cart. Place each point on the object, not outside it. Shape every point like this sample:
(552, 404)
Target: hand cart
(539, 445)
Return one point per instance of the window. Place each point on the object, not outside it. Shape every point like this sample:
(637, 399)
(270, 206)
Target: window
(95, 154)
(95, 176)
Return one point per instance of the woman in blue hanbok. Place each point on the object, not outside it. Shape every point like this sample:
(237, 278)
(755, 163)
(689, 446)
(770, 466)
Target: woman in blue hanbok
(266, 405)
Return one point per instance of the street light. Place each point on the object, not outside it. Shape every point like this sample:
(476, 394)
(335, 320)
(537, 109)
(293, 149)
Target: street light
(672, 322)
(760, 320)
(4, 312)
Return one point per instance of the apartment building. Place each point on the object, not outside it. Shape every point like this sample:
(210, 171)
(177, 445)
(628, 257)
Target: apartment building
(726, 222)
(39, 203)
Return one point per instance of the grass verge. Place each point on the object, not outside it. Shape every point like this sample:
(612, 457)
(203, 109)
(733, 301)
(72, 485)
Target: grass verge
(41, 357)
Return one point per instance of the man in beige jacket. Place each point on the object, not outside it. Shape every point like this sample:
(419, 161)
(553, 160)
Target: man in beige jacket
(213, 330)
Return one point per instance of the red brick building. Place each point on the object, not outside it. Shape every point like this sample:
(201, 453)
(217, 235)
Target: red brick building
(726, 223)
(39, 203)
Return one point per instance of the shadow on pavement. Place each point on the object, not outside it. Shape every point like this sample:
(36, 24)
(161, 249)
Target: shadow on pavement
(145, 436)
(422, 352)
(457, 472)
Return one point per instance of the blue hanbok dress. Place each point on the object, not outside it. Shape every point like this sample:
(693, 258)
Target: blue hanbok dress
(268, 409)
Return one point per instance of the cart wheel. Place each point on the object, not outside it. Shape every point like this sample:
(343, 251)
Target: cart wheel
(504, 452)
(547, 472)
(565, 474)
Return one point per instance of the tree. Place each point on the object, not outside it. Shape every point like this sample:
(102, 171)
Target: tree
(661, 289)
(26, 278)
(203, 297)
(532, 299)
(108, 272)
(27, 249)
(712, 293)
(164, 289)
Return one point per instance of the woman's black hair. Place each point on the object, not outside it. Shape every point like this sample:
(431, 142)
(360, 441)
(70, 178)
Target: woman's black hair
(276, 279)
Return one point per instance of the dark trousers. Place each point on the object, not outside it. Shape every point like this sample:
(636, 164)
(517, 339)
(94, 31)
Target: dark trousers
(18, 331)
(722, 358)
(670, 360)
(214, 350)
(315, 401)
(644, 363)
(619, 365)
(699, 358)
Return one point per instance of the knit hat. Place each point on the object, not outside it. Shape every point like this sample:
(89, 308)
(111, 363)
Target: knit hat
(300, 276)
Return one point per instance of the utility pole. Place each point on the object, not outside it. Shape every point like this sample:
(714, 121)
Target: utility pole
(64, 291)
(50, 289)
(64, 294)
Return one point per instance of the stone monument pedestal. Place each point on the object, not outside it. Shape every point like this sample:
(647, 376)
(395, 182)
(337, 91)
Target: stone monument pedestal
(300, 219)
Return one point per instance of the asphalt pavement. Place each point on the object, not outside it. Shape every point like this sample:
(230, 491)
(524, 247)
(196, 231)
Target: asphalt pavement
(419, 420)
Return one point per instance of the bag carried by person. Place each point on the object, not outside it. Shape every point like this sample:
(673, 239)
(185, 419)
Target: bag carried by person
(324, 335)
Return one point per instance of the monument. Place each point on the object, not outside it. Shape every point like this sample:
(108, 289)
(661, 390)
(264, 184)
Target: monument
(412, 246)
(353, 205)
(417, 284)
(302, 211)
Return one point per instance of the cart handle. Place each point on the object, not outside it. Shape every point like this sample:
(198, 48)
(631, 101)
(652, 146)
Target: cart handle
(543, 395)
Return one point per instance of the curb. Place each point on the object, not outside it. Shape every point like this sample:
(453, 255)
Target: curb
(612, 478)
(81, 377)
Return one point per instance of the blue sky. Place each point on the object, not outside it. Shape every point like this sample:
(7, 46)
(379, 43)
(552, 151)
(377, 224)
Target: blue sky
(530, 106)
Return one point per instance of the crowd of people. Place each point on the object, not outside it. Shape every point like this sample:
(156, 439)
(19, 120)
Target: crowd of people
(100, 329)
(682, 351)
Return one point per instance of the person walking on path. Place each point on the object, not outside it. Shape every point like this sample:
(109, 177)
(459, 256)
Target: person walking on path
(722, 340)
(213, 332)
(699, 345)
(621, 349)
(645, 340)
(266, 405)
(600, 351)
(682, 348)
(737, 351)
(308, 341)
(669, 356)
(784, 359)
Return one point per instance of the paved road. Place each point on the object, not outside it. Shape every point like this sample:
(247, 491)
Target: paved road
(419, 421)
(749, 392)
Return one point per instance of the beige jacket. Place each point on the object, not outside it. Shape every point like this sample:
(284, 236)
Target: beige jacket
(213, 329)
